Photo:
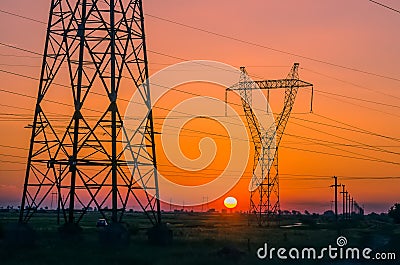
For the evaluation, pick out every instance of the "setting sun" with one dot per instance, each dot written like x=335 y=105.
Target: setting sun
x=230 y=202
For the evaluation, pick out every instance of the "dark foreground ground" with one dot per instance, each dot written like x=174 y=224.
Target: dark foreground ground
x=199 y=238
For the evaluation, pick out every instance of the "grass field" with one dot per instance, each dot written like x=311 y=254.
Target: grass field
x=199 y=238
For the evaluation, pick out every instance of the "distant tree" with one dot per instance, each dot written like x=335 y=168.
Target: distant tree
x=394 y=212
x=295 y=212
x=329 y=213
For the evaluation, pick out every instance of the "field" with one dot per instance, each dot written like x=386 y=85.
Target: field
x=199 y=238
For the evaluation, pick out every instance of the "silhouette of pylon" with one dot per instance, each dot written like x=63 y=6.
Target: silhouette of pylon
x=94 y=58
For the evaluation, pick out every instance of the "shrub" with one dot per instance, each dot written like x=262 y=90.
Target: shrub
x=394 y=212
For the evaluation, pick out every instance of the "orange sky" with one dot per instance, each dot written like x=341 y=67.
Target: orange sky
x=355 y=34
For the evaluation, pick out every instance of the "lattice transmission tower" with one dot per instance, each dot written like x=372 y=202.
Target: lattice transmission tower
x=94 y=59
x=264 y=186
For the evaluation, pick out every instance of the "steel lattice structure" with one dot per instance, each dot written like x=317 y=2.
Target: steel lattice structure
x=264 y=195
x=94 y=56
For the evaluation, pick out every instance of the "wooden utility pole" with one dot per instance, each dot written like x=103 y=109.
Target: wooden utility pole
x=352 y=206
x=347 y=204
x=344 y=201
x=336 y=185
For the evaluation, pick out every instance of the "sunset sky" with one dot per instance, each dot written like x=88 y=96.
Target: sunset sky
x=349 y=50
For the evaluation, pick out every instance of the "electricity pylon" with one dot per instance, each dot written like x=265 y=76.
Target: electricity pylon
x=94 y=55
x=264 y=186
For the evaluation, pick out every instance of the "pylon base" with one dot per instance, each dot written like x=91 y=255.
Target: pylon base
x=160 y=235
x=115 y=235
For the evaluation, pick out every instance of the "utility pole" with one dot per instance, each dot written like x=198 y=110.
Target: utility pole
x=336 y=185
x=343 y=201
x=51 y=203
x=347 y=204
x=352 y=206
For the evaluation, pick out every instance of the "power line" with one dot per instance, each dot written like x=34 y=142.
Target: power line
x=273 y=49
x=20 y=49
x=19 y=65
x=23 y=17
x=15 y=156
x=358 y=105
x=330 y=134
x=313 y=129
x=363 y=145
x=369 y=158
x=218 y=135
x=20 y=75
x=286 y=176
x=357 y=99
x=190 y=93
x=35 y=78
x=20 y=56
x=9 y=161
x=351 y=128
x=13 y=147
x=333 y=144
x=183 y=59
x=293 y=175
x=372 y=148
x=385 y=6
x=187 y=92
x=350 y=83
x=194 y=94
x=339 y=155
x=358 y=128
x=247 y=42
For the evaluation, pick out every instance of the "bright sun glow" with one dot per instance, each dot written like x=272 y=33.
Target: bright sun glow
x=230 y=202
